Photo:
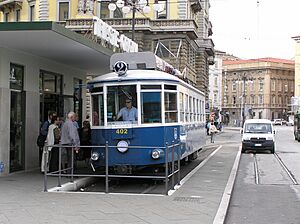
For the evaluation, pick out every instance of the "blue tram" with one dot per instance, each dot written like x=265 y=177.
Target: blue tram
x=164 y=109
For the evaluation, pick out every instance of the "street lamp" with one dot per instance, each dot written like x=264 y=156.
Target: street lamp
x=243 y=103
x=134 y=5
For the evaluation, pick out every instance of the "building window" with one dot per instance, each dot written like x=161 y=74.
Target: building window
x=279 y=85
x=105 y=13
x=63 y=10
x=279 y=100
x=6 y=17
x=273 y=100
x=162 y=12
x=32 y=13
x=261 y=99
x=18 y=15
x=225 y=99
x=286 y=88
x=234 y=86
x=273 y=85
x=234 y=100
x=261 y=85
x=216 y=81
x=253 y=99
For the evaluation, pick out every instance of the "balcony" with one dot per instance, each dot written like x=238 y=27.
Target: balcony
x=141 y=24
x=10 y=4
x=208 y=45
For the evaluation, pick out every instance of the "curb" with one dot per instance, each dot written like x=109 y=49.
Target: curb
x=224 y=204
x=76 y=185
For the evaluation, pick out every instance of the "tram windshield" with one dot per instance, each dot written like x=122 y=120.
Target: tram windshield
x=122 y=104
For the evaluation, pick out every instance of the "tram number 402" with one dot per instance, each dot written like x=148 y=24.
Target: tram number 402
x=122 y=131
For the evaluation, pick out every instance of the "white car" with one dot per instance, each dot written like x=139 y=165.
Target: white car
x=258 y=135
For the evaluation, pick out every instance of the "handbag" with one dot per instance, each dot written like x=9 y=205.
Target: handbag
x=41 y=140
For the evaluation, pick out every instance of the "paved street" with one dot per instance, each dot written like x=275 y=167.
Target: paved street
x=274 y=199
x=196 y=201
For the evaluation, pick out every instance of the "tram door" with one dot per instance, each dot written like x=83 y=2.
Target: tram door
x=17 y=118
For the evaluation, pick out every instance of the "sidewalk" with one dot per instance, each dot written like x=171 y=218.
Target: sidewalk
x=196 y=201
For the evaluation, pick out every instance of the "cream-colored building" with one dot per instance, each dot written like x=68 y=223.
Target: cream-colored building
x=262 y=88
x=297 y=66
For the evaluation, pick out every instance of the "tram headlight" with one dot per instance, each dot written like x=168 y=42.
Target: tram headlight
x=122 y=146
x=95 y=156
x=156 y=153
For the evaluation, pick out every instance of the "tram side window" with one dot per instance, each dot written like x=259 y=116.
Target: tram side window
x=151 y=107
x=181 y=103
x=170 y=107
x=98 y=110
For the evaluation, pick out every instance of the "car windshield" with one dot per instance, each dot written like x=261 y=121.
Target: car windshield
x=258 y=128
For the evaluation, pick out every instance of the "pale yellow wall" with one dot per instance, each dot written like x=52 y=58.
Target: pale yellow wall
x=297 y=69
x=24 y=12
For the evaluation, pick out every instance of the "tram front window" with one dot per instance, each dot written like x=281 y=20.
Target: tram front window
x=151 y=107
x=98 y=110
x=121 y=104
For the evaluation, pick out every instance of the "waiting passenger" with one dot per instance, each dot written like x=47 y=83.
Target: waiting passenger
x=128 y=113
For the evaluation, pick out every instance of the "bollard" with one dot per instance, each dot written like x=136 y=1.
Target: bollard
x=72 y=165
x=45 y=151
x=178 y=157
x=106 y=167
x=166 y=169
x=173 y=167
x=59 y=167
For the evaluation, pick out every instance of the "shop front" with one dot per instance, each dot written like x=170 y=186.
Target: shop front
x=43 y=67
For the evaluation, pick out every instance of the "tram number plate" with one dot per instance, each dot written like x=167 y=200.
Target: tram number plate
x=122 y=131
x=257 y=145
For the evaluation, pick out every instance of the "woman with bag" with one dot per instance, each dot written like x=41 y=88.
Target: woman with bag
x=53 y=138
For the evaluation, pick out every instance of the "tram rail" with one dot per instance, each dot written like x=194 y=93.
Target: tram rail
x=169 y=172
x=282 y=165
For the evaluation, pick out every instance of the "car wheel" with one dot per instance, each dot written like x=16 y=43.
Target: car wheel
x=273 y=150
x=243 y=150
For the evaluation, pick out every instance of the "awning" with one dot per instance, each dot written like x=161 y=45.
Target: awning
x=54 y=42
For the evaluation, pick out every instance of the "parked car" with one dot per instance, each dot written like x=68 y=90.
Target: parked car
x=279 y=121
x=289 y=123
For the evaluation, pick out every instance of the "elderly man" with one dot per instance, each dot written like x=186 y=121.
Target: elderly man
x=128 y=113
x=69 y=136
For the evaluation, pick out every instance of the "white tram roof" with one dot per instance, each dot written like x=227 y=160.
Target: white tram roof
x=141 y=75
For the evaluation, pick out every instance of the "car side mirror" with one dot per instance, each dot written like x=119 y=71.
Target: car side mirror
x=241 y=131
x=274 y=132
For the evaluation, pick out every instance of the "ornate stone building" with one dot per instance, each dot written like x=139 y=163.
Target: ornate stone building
x=262 y=88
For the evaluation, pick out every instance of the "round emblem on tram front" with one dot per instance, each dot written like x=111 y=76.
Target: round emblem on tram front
x=120 y=67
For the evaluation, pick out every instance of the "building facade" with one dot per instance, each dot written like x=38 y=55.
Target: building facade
x=297 y=66
x=257 y=88
x=215 y=84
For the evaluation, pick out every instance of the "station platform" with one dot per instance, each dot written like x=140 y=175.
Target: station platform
x=202 y=197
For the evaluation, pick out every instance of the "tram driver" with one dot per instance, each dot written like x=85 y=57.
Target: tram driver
x=129 y=112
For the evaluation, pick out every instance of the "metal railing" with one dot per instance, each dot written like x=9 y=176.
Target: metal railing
x=169 y=173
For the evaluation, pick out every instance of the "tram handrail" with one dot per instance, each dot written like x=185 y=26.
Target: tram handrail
x=165 y=177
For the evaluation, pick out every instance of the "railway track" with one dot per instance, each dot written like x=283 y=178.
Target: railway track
x=268 y=170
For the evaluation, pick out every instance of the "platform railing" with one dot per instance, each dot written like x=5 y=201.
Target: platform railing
x=169 y=174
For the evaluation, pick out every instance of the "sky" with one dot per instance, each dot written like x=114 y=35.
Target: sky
x=255 y=28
